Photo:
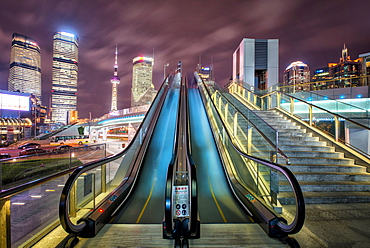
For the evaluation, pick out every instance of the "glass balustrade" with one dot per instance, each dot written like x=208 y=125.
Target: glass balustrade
x=266 y=184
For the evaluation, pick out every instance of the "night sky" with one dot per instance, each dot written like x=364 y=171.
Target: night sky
x=311 y=31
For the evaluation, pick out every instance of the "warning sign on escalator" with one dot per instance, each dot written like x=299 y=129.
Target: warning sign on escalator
x=181 y=201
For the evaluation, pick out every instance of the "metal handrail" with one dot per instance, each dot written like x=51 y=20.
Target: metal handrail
x=298 y=221
x=340 y=116
x=261 y=133
x=312 y=105
x=63 y=207
x=327 y=111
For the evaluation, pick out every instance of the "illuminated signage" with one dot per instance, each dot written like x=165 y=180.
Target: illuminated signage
x=14 y=102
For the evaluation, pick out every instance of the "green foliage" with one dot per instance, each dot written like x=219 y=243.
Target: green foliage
x=21 y=171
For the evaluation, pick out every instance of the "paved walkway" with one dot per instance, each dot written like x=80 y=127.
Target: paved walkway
x=336 y=225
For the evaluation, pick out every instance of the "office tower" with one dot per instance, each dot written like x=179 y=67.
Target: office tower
x=115 y=80
x=25 y=66
x=142 y=90
x=297 y=74
x=256 y=62
x=64 y=81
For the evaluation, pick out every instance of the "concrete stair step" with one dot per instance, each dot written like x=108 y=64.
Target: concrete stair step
x=290 y=138
x=286 y=148
x=287 y=198
x=326 y=168
x=303 y=155
x=316 y=154
x=330 y=186
x=330 y=176
x=321 y=161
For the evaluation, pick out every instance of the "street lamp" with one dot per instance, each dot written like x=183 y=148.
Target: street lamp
x=164 y=70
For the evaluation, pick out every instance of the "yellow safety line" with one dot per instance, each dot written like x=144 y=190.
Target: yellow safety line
x=146 y=203
x=215 y=200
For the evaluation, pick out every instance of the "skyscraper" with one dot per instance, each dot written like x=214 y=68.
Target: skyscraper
x=64 y=81
x=142 y=90
x=115 y=80
x=298 y=75
x=256 y=62
x=25 y=66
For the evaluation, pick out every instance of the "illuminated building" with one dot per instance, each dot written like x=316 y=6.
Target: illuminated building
x=206 y=73
x=365 y=59
x=346 y=67
x=256 y=62
x=25 y=66
x=346 y=73
x=142 y=90
x=115 y=80
x=16 y=116
x=297 y=74
x=64 y=80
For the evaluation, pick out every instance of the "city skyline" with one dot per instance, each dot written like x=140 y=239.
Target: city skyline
x=190 y=31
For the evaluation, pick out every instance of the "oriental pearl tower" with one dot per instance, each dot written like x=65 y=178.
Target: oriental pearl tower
x=115 y=80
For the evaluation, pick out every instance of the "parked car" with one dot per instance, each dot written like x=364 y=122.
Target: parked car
x=30 y=151
x=62 y=148
x=29 y=145
x=4 y=155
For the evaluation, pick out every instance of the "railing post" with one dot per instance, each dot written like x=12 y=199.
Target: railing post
x=291 y=106
x=336 y=122
x=310 y=115
x=104 y=178
x=73 y=201
x=235 y=128
x=1 y=177
x=249 y=141
x=5 y=240
x=226 y=112
x=278 y=99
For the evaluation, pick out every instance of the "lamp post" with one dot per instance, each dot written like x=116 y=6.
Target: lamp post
x=164 y=70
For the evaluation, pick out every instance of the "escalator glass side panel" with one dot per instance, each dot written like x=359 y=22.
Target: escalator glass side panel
x=216 y=202
x=145 y=204
x=264 y=186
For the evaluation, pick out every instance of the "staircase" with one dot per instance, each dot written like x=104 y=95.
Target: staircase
x=325 y=175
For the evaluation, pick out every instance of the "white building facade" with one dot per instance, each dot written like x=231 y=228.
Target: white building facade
x=256 y=63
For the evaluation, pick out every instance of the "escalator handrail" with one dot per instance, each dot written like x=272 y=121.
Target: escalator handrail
x=63 y=204
x=193 y=174
x=298 y=221
x=168 y=211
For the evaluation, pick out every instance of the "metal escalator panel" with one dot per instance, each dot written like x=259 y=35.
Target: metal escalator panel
x=181 y=218
x=95 y=191
x=268 y=191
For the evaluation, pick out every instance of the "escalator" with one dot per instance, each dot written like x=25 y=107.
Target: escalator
x=243 y=188
x=143 y=205
x=216 y=201
x=135 y=193
x=227 y=185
